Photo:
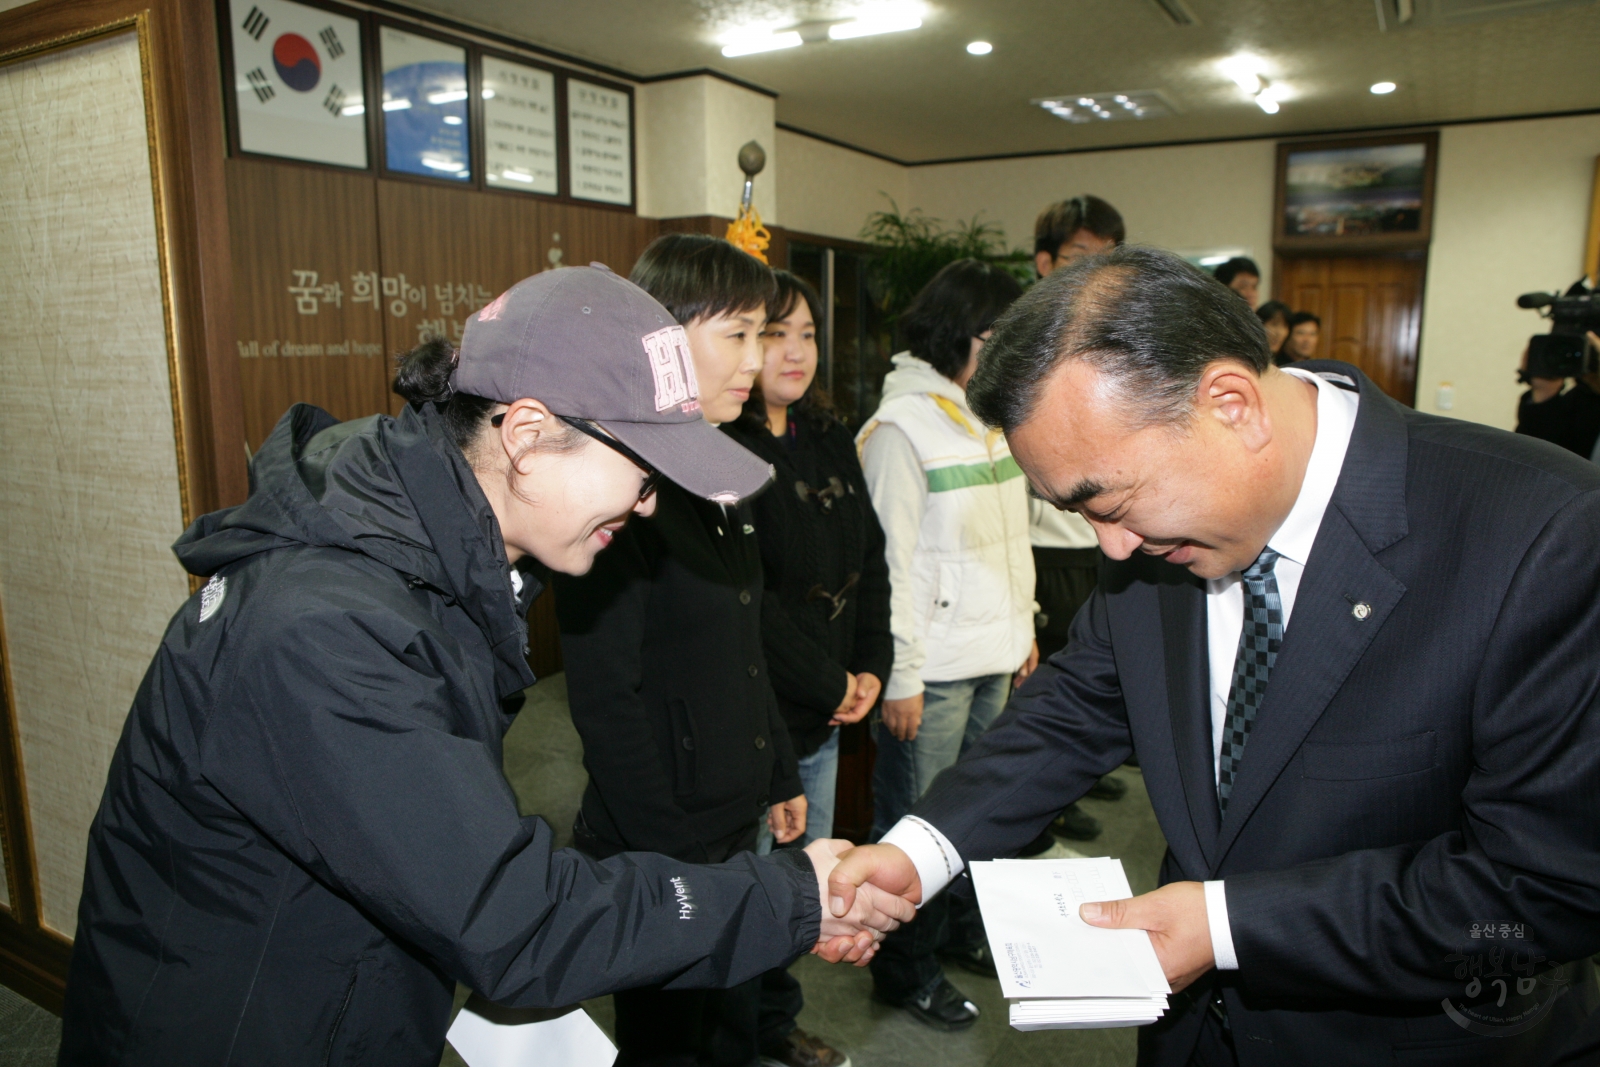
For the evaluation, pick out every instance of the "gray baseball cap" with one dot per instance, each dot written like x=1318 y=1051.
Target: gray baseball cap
x=594 y=346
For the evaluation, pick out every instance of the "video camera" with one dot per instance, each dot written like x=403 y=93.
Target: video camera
x=1560 y=353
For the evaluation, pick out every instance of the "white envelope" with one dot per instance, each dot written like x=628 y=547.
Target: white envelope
x=528 y=1039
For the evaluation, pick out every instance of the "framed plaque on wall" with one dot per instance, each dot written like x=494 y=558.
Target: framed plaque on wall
x=297 y=79
x=519 y=126
x=425 y=130
x=599 y=142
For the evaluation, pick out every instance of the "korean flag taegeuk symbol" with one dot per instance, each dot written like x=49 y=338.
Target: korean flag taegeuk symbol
x=297 y=73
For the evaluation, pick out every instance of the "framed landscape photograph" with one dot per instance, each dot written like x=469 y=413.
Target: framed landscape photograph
x=1364 y=194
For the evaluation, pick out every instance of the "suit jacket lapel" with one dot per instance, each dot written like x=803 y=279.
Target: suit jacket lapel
x=1183 y=630
x=1328 y=633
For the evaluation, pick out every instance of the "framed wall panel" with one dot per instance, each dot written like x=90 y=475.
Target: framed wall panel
x=521 y=125
x=125 y=421
x=600 y=149
x=296 y=80
x=424 y=105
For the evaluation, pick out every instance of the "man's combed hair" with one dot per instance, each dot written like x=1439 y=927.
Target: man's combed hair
x=695 y=276
x=1144 y=318
x=1057 y=223
x=1236 y=266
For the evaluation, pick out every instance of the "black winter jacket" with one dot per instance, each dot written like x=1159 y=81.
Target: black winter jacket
x=662 y=644
x=811 y=544
x=306 y=836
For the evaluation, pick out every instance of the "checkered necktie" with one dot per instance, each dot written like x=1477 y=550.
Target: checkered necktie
x=1259 y=642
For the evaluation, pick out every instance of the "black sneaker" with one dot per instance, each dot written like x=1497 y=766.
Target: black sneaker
x=1108 y=788
x=942 y=1006
x=1077 y=824
x=975 y=958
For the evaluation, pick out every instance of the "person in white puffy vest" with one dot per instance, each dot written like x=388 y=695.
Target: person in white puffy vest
x=954 y=510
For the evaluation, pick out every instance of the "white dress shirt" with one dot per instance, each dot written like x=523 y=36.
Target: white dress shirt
x=933 y=855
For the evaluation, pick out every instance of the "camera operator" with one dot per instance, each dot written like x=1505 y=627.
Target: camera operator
x=1567 y=417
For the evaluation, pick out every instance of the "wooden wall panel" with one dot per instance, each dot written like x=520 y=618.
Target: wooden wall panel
x=305 y=252
x=1371 y=311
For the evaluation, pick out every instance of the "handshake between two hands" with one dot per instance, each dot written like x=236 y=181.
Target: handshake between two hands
x=869 y=890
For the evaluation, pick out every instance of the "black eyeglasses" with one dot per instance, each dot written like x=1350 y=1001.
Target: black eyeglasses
x=652 y=477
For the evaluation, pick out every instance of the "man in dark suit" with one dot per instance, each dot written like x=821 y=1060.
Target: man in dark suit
x=1357 y=650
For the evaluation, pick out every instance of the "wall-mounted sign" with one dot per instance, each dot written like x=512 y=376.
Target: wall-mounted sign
x=424 y=105
x=599 y=146
x=297 y=82
x=519 y=127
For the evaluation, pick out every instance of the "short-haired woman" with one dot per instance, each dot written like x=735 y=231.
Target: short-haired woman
x=954 y=510
x=682 y=736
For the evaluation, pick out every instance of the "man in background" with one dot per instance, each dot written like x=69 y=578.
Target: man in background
x=1242 y=276
x=1066 y=555
x=1071 y=229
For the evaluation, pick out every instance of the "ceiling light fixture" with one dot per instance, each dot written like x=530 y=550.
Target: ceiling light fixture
x=488 y=94
x=396 y=105
x=979 y=48
x=1107 y=107
x=1248 y=73
x=887 y=17
x=1382 y=88
x=1245 y=70
x=749 y=44
x=449 y=96
x=353 y=109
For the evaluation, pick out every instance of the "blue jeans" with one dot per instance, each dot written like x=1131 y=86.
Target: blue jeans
x=819 y=777
x=954 y=715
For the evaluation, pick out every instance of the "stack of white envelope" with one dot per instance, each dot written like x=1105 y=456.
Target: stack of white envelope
x=1058 y=971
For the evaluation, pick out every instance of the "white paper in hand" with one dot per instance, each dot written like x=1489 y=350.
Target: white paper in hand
x=1061 y=971
x=506 y=1040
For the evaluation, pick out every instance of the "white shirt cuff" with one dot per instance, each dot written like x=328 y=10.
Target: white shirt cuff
x=931 y=853
x=1221 y=932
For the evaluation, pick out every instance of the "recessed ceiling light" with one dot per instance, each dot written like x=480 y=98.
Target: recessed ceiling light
x=979 y=48
x=1382 y=88
x=452 y=120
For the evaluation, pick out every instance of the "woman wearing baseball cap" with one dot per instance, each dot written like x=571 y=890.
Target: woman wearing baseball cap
x=306 y=837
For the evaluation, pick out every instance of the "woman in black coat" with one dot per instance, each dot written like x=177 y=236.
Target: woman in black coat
x=306 y=838
x=682 y=738
x=825 y=615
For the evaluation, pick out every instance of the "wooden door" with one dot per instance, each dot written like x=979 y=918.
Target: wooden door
x=1371 y=311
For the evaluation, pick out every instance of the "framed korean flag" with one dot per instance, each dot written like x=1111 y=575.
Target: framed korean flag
x=298 y=85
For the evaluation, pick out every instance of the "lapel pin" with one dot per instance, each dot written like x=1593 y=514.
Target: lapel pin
x=1361 y=610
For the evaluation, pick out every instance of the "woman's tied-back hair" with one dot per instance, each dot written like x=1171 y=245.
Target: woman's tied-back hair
x=699 y=277
x=1144 y=318
x=962 y=301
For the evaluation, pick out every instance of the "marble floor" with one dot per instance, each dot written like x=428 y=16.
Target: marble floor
x=543 y=761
